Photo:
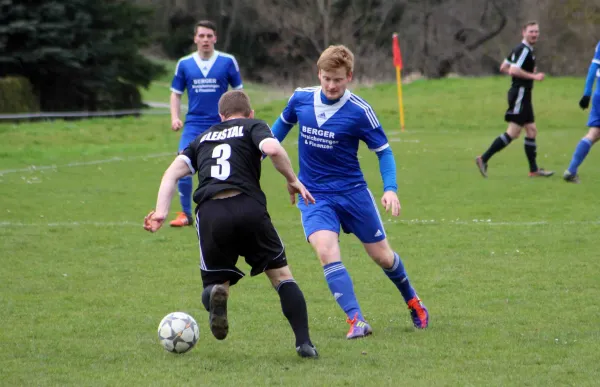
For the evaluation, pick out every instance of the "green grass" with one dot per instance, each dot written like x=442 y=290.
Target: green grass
x=508 y=265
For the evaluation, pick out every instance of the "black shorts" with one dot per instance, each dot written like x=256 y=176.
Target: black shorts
x=233 y=227
x=520 y=108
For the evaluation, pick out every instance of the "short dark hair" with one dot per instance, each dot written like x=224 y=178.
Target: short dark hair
x=530 y=23
x=235 y=102
x=206 y=24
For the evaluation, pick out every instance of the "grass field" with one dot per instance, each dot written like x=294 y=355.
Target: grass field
x=508 y=266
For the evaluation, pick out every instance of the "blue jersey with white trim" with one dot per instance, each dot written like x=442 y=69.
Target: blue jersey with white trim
x=329 y=135
x=596 y=60
x=205 y=81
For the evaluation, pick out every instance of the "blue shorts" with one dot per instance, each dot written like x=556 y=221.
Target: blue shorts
x=356 y=212
x=594 y=120
x=189 y=134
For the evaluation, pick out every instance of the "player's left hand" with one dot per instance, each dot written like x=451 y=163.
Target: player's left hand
x=584 y=102
x=153 y=221
x=390 y=200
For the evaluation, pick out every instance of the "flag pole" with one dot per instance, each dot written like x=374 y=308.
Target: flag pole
x=398 y=65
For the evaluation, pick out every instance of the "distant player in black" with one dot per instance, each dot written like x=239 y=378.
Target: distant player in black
x=520 y=64
x=231 y=212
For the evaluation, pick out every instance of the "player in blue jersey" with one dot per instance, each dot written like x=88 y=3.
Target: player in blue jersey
x=593 y=134
x=206 y=75
x=331 y=123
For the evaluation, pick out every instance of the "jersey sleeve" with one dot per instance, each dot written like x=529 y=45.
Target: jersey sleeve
x=597 y=54
x=178 y=83
x=371 y=132
x=260 y=132
x=518 y=56
x=289 y=112
x=233 y=74
x=190 y=156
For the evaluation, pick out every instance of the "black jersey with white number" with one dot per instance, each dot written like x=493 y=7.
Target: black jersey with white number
x=228 y=156
x=523 y=57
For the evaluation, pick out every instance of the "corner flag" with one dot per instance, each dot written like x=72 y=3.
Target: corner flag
x=398 y=64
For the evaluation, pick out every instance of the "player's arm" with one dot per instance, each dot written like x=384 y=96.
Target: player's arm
x=281 y=128
x=516 y=69
x=175 y=105
x=520 y=73
x=234 y=76
x=373 y=135
x=589 y=81
x=505 y=67
x=180 y=167
x=177 y=88
x=286 y=120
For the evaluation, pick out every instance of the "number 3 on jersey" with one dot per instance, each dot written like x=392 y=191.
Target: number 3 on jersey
x=222 y=170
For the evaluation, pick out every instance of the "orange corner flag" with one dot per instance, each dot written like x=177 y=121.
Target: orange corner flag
x=396 y=51
x=398 y=65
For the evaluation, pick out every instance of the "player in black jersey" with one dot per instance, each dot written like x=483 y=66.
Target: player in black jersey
x=520 y=64
x=231 y=212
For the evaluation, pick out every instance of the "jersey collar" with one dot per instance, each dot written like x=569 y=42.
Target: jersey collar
x=527 y=45
x=205 y=65
x=323 y=111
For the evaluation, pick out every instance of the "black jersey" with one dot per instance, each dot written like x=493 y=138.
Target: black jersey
x=228 y=156
x=523 y=57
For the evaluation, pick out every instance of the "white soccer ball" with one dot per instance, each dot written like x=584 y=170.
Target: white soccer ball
x=178 y=332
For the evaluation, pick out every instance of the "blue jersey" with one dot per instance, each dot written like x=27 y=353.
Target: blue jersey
x=206 y=81
x=596 y=60
x=329 y=135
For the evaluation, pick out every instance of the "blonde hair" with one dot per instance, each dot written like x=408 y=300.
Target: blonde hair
x=235 y=102
x=335 y=57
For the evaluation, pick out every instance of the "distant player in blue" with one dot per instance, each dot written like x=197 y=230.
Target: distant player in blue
x=593 y=134
x=331 y=123
x=206 y=75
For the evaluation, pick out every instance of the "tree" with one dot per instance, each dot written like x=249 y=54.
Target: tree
x=78 y=54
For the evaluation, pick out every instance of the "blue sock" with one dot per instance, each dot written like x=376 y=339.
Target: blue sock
x=398 y=276
x=185 y=186
x=340 y=285
x=581 y=152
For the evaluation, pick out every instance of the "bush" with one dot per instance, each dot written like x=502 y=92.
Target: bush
x=17 y=96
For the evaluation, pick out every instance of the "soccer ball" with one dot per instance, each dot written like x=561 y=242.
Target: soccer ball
x=178 y=332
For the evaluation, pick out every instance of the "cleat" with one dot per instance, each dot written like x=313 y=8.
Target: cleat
x=419 y=313
x=358 y=328
x=218 y=312
x=481 y=165
x=541 y=173
x=307 y=350
x=570 y=177
x=182 y=220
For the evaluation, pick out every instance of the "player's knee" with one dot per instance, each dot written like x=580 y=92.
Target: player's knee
x=327 y=251
x=593 y=134
x=328 y=254
x=531 y=131
x=276 y=276
x=381 y=253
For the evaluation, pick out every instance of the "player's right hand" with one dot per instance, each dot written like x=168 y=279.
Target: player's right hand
x=539 y=76
x=297 y=187
x=176 y=124
x=153 y=221
x=584 y=102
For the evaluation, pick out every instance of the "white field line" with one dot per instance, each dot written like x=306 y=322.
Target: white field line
x=474 y=222
x=34 y=168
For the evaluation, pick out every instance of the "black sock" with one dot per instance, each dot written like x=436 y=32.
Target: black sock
x=293 y=305
x=206 y=297
x=531 y=153
x=499 y=143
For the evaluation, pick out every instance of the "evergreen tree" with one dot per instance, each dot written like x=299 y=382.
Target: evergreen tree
x=78 y=54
